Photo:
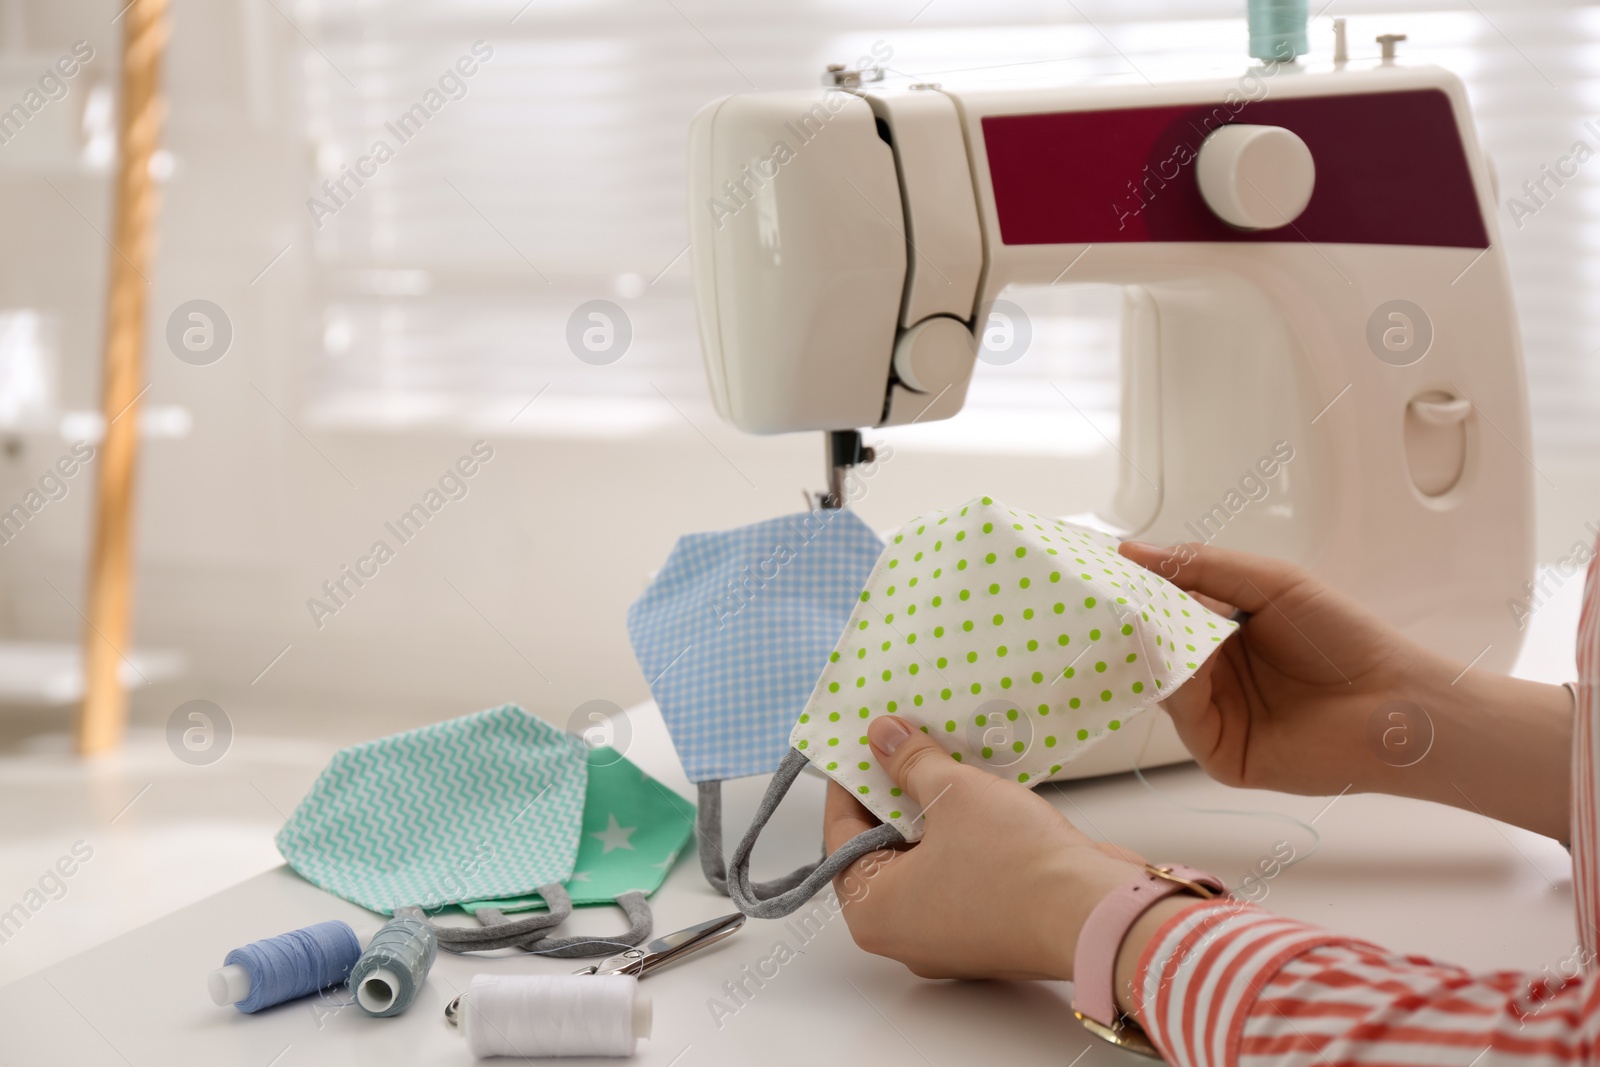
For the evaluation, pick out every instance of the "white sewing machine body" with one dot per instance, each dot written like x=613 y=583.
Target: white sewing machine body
x=847 y=246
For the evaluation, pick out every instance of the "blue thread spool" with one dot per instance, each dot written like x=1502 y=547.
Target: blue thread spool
x=390 y=973
x=268 y=972
x=1278 y=30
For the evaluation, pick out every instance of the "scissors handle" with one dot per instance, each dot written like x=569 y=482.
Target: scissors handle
x=629 y=962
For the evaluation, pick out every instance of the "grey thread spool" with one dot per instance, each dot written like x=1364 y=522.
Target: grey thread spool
x=389 y=974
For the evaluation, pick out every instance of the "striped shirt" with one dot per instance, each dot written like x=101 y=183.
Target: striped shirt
x=1224 y=983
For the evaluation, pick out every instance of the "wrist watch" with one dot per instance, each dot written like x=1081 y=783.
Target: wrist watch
x=1094 y=999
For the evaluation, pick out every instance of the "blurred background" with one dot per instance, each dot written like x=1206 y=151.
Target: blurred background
x=375 y=338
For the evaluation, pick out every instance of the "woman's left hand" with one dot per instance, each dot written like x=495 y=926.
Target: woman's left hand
x=999 y=885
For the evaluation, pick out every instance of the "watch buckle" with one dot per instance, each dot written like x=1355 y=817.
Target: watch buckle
x=1123 y=1033
x=1204 y=892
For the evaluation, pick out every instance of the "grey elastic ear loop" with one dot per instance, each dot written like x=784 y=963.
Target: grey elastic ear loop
x=531 y=934
x=708 y=828
x=747 y=897
x=639 y=926
x=504 y=935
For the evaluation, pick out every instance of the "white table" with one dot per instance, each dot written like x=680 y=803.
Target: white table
x=1409 y=875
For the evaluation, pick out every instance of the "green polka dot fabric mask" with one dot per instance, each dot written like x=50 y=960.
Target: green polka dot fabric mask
x=1015 y=641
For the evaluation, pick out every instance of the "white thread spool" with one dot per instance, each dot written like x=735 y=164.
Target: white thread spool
x=530 y=1015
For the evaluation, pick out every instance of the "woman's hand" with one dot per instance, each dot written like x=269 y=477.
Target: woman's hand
x=999 y=885
x=1295 y=701
x=1284 y=703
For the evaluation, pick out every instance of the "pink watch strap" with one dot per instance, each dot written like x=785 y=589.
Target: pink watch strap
x=1094 y=964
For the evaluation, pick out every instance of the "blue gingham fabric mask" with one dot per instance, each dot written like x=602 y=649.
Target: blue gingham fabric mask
x=732 y=634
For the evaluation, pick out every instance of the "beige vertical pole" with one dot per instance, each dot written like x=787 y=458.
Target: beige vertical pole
x=103 y=716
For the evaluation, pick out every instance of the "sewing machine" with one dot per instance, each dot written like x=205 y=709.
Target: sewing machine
x=1313 y=274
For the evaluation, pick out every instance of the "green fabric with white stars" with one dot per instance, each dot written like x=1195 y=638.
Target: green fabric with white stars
x=633 y=830
x=1014 y=641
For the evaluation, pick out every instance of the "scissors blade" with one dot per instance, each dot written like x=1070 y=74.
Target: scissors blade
x=663 y=950
x=668 y=947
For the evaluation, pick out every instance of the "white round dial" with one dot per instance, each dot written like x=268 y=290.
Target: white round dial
x=1256 y=177
x=934 y=354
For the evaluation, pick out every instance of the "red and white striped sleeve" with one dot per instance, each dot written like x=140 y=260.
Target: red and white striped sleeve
x=1225 y=984
x=1585 y=842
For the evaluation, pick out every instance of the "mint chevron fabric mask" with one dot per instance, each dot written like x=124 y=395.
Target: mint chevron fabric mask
x=1013 y=640
x=488 y=805
x=731 y=635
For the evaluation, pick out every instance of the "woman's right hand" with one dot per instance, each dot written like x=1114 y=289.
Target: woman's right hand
x=1296 y=701
x=1284 y=704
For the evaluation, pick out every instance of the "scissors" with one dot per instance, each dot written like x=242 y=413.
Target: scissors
x=649 y=958
x=667 y=949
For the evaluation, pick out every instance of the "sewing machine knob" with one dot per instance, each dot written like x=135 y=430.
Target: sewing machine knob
x=1256 y=177
x=934 y=354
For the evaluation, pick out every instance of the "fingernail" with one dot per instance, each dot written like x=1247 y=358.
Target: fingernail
x=888 y=733
x=1142 y=546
